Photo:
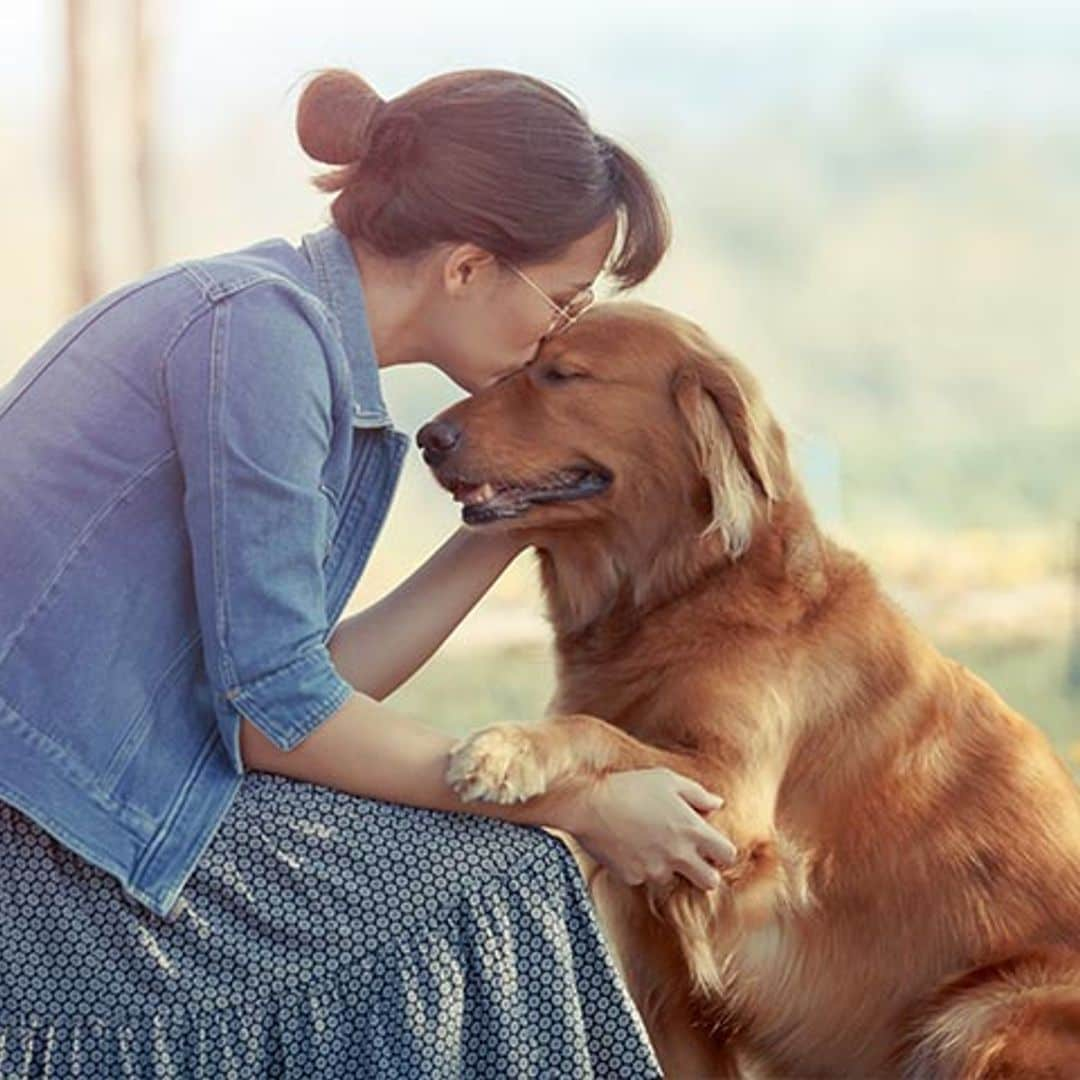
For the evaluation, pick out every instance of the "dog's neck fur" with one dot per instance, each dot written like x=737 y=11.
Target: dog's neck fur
x=599 y=586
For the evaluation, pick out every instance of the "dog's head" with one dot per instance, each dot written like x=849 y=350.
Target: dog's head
x=631 y=424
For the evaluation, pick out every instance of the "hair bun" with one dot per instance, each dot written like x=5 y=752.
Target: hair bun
x=395 y=143
x=334 y=116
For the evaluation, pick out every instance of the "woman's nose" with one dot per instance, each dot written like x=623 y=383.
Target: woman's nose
x=437 y=439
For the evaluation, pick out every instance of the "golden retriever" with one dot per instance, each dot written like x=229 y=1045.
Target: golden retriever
x=906 y=899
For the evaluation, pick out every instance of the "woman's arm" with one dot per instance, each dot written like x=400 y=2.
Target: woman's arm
x=645 y=825
x=367 y=748
x=381 y=647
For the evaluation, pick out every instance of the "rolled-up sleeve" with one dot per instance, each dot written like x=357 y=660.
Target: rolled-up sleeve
x=249 y=399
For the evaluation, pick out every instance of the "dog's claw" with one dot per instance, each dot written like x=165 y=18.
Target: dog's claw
x=496 y=765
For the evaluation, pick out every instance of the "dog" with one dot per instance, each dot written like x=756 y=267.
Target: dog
x=906 y=896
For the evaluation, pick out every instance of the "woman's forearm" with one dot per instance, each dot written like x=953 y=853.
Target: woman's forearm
x=367 y=748
x=379 y=648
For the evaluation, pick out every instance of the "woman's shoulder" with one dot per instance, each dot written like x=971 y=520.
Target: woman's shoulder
x=270 y=288
x=274 y=261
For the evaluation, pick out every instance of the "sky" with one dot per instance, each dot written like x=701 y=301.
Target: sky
x=682 y=61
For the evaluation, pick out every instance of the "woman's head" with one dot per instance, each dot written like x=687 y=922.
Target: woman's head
x=494 y=189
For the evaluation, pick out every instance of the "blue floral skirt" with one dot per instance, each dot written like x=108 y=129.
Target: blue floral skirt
x=321 y=935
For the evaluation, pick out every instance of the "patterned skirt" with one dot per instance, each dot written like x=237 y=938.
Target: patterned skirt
x=320 y=936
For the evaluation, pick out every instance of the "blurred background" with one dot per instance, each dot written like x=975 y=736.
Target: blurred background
x=875 y=206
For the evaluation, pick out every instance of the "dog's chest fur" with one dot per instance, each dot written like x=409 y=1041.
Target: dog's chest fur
x=782 y=970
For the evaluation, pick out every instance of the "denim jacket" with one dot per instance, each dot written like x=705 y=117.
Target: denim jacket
x=193 y=471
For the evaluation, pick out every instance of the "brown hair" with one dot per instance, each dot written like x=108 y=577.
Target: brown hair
x=490 y=157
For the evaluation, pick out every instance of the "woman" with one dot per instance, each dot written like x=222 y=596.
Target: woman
x=219 y=854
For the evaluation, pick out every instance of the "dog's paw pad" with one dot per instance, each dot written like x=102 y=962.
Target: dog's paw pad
x=496 y=765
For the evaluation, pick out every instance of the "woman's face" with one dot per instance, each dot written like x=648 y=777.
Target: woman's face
x=491 y=321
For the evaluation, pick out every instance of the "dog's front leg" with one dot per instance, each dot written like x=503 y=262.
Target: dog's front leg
x=509 y=763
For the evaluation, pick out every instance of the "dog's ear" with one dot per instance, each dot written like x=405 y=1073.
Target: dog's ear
x=733 y=437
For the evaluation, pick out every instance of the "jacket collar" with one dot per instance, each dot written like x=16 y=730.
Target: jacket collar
x=338 y=279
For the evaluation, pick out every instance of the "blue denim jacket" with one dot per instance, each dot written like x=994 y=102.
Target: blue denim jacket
x=193 y=471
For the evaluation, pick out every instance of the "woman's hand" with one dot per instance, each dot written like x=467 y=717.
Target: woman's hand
x=647 y=824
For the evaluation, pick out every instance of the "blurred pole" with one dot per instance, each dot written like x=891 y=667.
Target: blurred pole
x=1073 y=678
x=78 y=162
x=142 y=116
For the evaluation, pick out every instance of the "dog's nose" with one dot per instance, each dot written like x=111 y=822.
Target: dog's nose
x=437 y=439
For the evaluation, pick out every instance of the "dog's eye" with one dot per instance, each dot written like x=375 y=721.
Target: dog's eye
x=556 y=376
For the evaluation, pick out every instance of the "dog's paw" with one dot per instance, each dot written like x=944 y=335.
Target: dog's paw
x=498 y=764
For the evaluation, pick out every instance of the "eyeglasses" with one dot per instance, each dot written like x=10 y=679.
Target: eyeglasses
x=563 y=315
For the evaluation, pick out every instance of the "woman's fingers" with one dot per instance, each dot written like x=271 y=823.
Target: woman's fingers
x=717 y=848
x=714 y=846
x=698 y=872
x=698 y=797
x=650 y=824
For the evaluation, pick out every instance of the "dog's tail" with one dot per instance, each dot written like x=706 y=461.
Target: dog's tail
x=1016 y=1018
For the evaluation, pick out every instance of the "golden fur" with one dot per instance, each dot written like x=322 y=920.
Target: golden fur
x=906 y=899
